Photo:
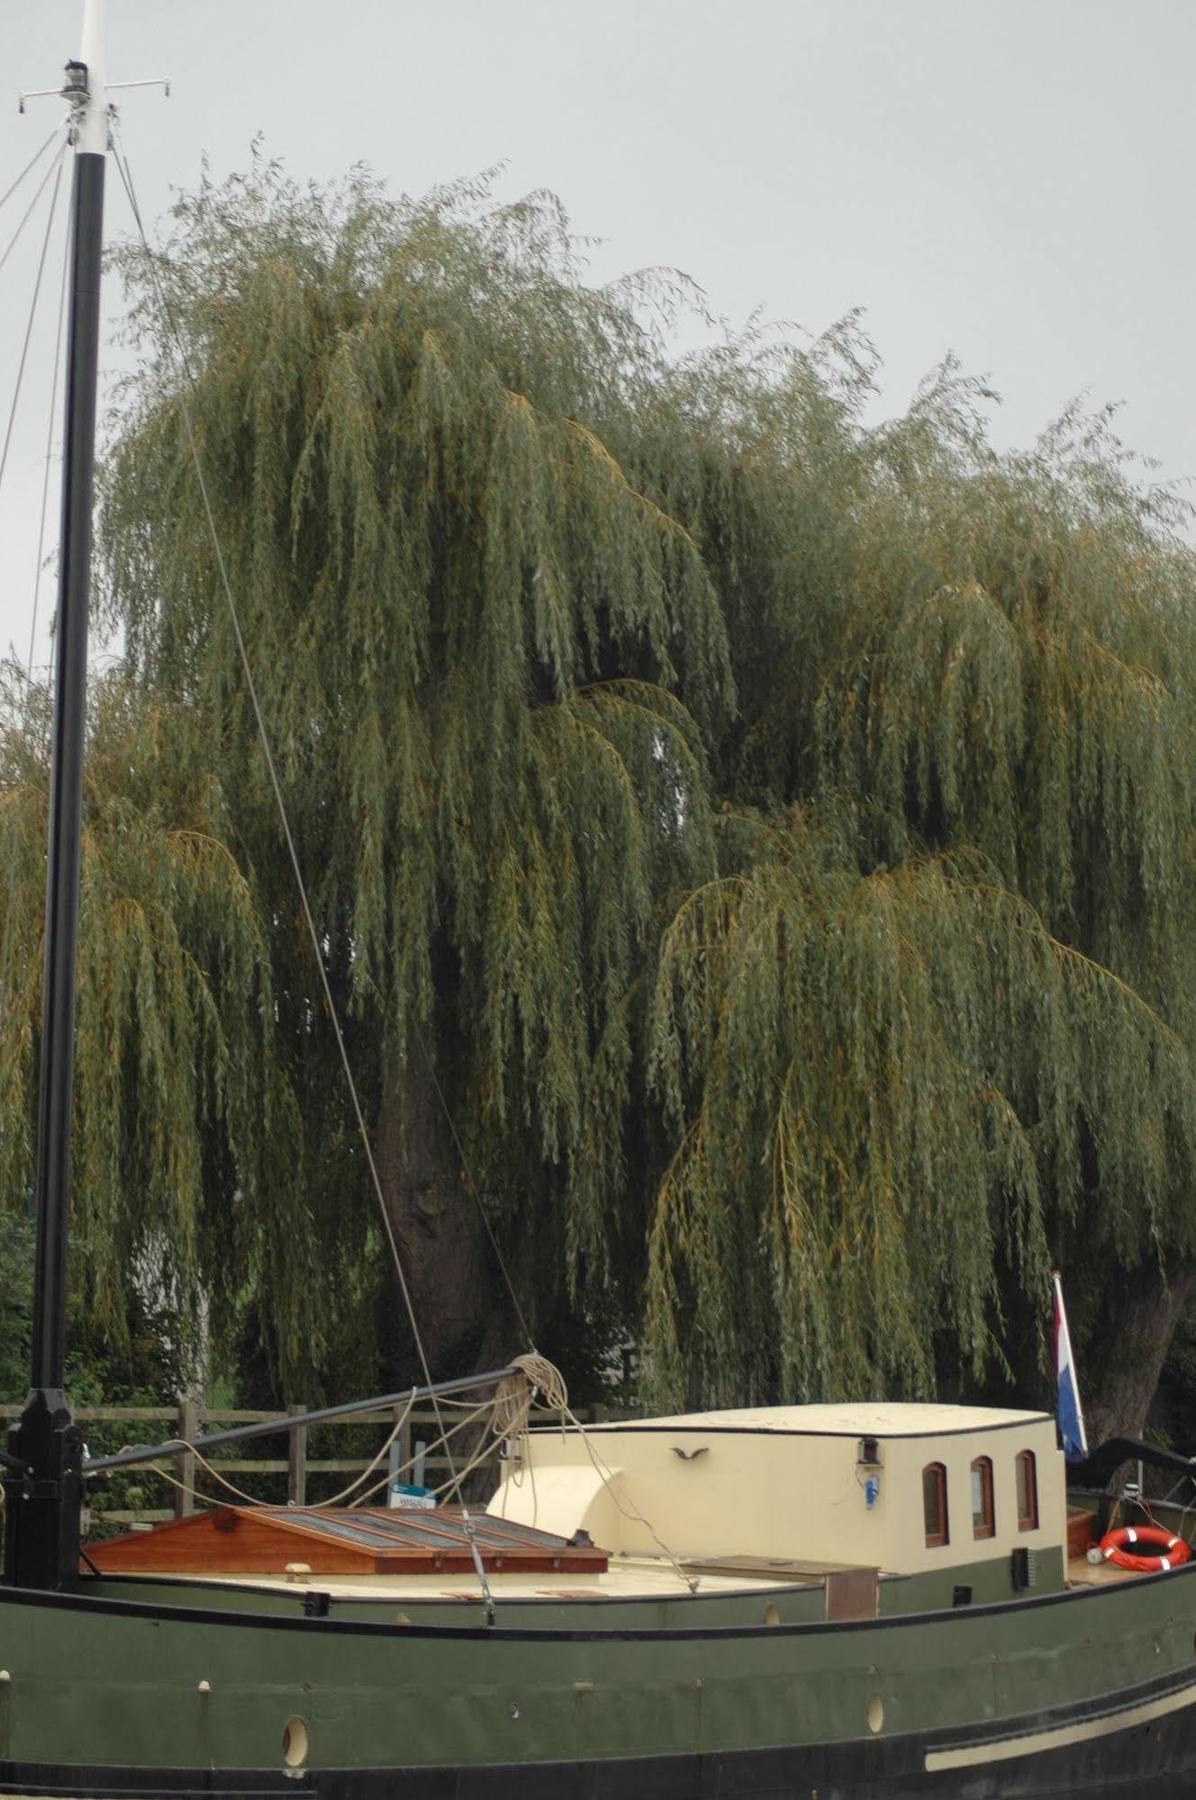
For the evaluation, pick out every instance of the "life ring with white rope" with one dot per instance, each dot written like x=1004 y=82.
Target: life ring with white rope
x=1116 y=1547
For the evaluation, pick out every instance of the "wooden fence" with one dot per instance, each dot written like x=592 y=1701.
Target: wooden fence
x=184 y=1418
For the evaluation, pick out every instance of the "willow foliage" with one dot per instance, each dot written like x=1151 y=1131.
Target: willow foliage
x=183 y=1135
x=886 y=1078
x=484 y=654
x=775 y=832
x=912 y=1050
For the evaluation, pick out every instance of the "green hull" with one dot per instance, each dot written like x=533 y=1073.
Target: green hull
x=146 y=1684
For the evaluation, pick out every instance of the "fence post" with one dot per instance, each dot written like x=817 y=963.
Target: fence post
x=297 y=1461
x=188 y=1429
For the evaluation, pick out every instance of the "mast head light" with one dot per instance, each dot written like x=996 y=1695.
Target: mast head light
x=76 y=91
x=76 y=87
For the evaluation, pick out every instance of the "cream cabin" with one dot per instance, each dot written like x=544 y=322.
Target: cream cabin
x=905 y=1489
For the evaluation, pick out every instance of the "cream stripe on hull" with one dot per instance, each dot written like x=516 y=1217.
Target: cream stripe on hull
x=1034 y=1743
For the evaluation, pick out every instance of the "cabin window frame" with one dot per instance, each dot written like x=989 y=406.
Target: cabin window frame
x=1026 y=1476
x=984 y=1526
x=938 y=1533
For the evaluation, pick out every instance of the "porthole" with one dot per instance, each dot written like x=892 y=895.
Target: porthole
x=876 y=1712
x=294 y=1742
x=771 y=1615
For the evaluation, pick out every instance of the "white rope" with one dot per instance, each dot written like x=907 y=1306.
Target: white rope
x=391 y=1435
x=430 y=1450
x=541 y=1377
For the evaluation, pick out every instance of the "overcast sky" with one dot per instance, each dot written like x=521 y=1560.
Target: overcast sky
x=1008 y=179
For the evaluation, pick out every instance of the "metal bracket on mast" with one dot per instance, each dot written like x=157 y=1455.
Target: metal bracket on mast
x=114 y=87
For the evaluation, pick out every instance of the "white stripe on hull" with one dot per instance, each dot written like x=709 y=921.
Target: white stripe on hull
x=1033 y=1743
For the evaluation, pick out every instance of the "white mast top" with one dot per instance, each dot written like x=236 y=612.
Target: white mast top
x=92 y=116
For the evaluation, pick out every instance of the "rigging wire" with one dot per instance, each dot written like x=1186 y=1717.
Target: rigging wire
x=6 y=939
x=32 y=163
x=121 y=159
x=56 y=171
x=475 y=1195
x=49 y=457
x=41 y=188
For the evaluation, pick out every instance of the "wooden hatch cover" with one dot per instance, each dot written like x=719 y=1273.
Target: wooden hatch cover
x=331 y=1540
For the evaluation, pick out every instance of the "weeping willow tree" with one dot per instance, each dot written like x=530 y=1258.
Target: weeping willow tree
x=751 y=851
x=893 y=1082
x=486 y=658
x=913 y=1054
x=187 y=1193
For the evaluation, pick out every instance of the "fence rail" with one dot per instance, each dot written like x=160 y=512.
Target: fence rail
x=186 y=1418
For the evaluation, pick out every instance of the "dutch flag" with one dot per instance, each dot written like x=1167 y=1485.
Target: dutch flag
x=1070 y=1416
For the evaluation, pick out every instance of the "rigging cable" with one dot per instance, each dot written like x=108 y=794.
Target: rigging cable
x=126 y=176
x=41 y=188
x=32 y=163
x=49 y=458
x=475 y=1195
x=10 y=899
x=56 y=171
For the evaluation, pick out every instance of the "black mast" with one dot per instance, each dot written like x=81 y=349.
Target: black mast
x=44 y=1484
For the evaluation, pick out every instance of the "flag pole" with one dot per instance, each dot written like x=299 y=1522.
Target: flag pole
x=1069 y=1413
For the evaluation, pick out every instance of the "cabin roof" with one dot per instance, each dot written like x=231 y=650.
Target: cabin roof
x=881 y=1419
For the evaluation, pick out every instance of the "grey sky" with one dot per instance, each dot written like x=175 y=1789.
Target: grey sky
x=1010 y=179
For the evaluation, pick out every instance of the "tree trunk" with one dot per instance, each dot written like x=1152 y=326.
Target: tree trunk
x=460 y=1307
x=1126 y=1355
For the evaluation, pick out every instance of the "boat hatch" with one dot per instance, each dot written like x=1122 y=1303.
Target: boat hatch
x=325 y=1540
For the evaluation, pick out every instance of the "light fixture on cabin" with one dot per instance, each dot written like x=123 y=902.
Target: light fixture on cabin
x=869 y=1465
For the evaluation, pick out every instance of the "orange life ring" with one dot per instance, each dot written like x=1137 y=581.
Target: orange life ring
x=1172 y=1550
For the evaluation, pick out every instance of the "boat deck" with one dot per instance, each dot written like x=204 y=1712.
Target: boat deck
x=1082 y=1573
x=625 y=1578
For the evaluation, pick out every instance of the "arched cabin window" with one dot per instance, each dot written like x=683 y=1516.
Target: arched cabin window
x=983 y=1524
x=934 y=1504
x=1027 y=1491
